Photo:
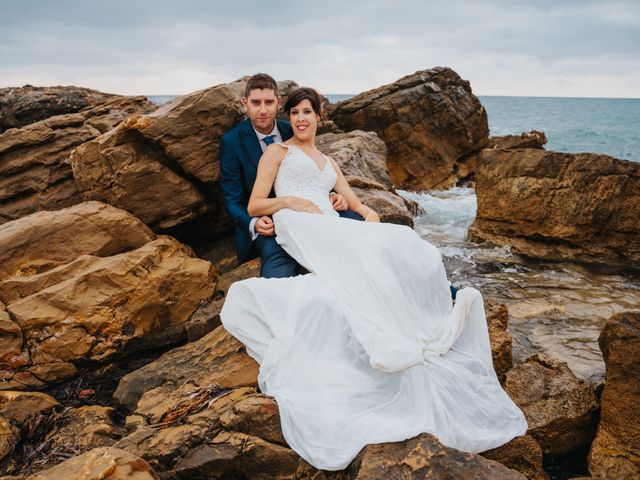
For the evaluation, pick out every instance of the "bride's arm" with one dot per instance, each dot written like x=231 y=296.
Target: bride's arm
x=342 y=187
x=259 y=203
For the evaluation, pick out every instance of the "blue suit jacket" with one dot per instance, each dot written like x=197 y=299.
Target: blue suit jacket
x=239 y=154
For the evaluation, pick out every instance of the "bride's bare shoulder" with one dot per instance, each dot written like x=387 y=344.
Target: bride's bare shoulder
x=274 y=153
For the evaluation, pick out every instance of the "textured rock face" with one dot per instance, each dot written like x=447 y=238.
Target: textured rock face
x=20 y=106
x=559 y=206
x=34 y=160
x=100 y=464
x=18 y=406
x=107 y=294
x=557 y=405
x=362 y=157
x=424 y=457
x=522 y=454
x=9 y=436
x=429 y=120
x=615 y=452
x=501 y=342
x=164 y=168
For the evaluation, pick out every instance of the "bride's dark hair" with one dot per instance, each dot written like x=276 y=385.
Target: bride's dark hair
x=304 y=93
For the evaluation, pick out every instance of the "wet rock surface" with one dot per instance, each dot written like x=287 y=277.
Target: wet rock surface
x=429 y=120
x=522 y=454
x=615 y=452
x=558 y=406
x=559 y=206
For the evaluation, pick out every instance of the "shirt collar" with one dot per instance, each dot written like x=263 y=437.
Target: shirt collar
x=273 y=132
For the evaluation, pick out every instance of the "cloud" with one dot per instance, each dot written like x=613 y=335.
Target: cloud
x=161 y=47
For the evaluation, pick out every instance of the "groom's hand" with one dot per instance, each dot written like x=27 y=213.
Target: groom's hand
x=264 y=226
x=338 y=202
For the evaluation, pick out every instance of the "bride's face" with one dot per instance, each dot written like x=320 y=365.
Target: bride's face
x=304 y=120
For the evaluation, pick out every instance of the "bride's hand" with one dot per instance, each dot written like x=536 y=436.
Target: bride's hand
x=302 y=205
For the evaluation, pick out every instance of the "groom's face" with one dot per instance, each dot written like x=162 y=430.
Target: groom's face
x=261 y=106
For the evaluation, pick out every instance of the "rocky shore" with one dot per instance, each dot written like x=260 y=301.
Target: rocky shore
x=115 y=257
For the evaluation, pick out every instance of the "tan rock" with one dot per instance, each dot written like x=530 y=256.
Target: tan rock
x=18 y=406
x=216 y=358
x=248 y=269
x=559 y=206
x=12 y=352
x=254 y=414
x=94 y=308
x=558 y=406
x=40 y=241
x=84 y=428
x=24 y=105
x=522 y=454
x=9 y=437
x=532 y=139
x=615 y=452
x=233 y=454
x=362 y=157
x=104 y=463
x=501 y=341
x=424 y=457
x=35 y=173
x=428 y=120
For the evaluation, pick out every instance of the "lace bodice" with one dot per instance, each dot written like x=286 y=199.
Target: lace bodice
x=300 y=176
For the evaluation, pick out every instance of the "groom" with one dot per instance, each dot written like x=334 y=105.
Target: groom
x=240 y=149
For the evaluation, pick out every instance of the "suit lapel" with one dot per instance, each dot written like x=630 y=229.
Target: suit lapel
x=250 y=143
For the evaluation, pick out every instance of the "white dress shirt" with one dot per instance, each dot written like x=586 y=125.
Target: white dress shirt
x=263 y=146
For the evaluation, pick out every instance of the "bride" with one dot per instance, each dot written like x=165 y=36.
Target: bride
x=367 y=347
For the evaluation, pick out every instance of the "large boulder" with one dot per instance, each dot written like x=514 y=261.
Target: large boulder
x=615 y=452
x=20 y=106
x=558 y=406
x=429 y=120
x=362 y=157
x=425 y=457
x=114 y=289
x=165 y=167
x=34 y=160
x=559 y=206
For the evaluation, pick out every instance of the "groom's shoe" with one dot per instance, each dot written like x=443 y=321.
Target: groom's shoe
x=454 y=291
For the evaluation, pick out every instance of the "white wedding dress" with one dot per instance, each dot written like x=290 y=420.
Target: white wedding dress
x=367 y=348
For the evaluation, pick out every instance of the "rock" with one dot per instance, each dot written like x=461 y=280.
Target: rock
x=615 y=452
x=429 y=120
x=9 y=437
x=559 y=206
x=20 y=106
x=175 y=149
x=532 y=139
x=254 y=414
x=121 y=290
x=501 y=342
x=558 y=406
x=235 y=455
x=362 y=157
x=391 y=207
x=248 y=269
x=19 y=406
x=86 y=427
x=424 y=457
x=205 y=319
x=40 y=242
x=522 y=454
x=34 y=160
x=12 y=352
x=216 y=358
x=100 y=464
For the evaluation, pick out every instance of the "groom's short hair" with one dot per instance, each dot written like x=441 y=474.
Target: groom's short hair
x=260 y=81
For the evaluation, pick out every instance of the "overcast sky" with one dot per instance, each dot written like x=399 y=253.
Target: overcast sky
x=155 y=47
